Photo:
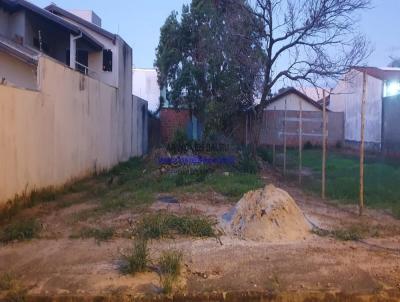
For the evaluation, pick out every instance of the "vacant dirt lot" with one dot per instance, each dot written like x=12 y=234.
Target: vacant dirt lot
x=63 y=263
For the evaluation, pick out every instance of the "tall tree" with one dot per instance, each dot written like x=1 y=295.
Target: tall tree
x=206 y=68
x=305 y=41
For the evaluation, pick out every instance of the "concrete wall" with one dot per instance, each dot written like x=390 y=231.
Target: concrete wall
x=292 y=103
x=391 y=126
x=73 y=126
x=16 y=72
x=274 y=129
x=145 y=86
x=347 y=96
x=142 y=124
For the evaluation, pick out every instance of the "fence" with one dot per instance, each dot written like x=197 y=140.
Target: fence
x=331 y=169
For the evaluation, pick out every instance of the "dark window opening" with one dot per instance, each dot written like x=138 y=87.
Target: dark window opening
x=107 y=60
x=44 y=47
x=82 y=60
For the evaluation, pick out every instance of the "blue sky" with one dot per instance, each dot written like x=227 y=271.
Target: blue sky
x=139 y=22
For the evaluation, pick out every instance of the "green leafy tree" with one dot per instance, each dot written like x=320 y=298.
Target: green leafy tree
x=204 y=67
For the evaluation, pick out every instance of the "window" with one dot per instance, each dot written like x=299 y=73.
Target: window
x=391 y=88
x=107 y=60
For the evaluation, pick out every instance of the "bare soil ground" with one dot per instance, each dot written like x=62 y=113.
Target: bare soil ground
x=55 y=264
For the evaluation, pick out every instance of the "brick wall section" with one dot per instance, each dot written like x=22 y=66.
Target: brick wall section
x=171 y=120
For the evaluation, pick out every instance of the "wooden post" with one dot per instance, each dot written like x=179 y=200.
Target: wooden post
x=284 y=139
x=247 y=130
x=300 y=139
x=362 y=145
x=323 y=145
x=275 y=136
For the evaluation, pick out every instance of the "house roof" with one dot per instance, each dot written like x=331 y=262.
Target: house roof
x=23 y=53
x=293 y=90
x=62 y=12
x=380 y=73
x=15 y=5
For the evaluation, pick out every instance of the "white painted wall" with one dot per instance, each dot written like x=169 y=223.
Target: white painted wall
x=292 y=104
x=73 y=126
x=347 y=96
x=145 y=86
x=96 y=59
x=16 y=72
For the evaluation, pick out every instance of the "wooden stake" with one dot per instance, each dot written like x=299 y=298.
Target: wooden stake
x=275 y=131
x=362 y=145
x=284 y=139
x=300 y=140
x=323 y=145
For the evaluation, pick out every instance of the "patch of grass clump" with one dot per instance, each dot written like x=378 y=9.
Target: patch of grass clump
x=192 y=176
x=170 y=263
x=352 y=233
x=125 y=172
x=138 y=259
x=235 y=184
x=27 y=200
x=11 y=289
x=161 y=225
x=7 y=282
x=21 y=230
x=167 y=284
x=99 y=234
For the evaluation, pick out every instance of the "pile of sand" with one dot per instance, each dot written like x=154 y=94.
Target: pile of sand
x=268 y=214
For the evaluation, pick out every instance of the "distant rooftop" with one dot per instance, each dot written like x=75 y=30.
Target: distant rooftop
x=384 y=74
x=87 y=15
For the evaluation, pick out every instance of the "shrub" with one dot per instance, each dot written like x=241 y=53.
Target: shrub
x=21 y=230
x=308 y=146
x=247 y=162
x=180 y=143
x=265 y=155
